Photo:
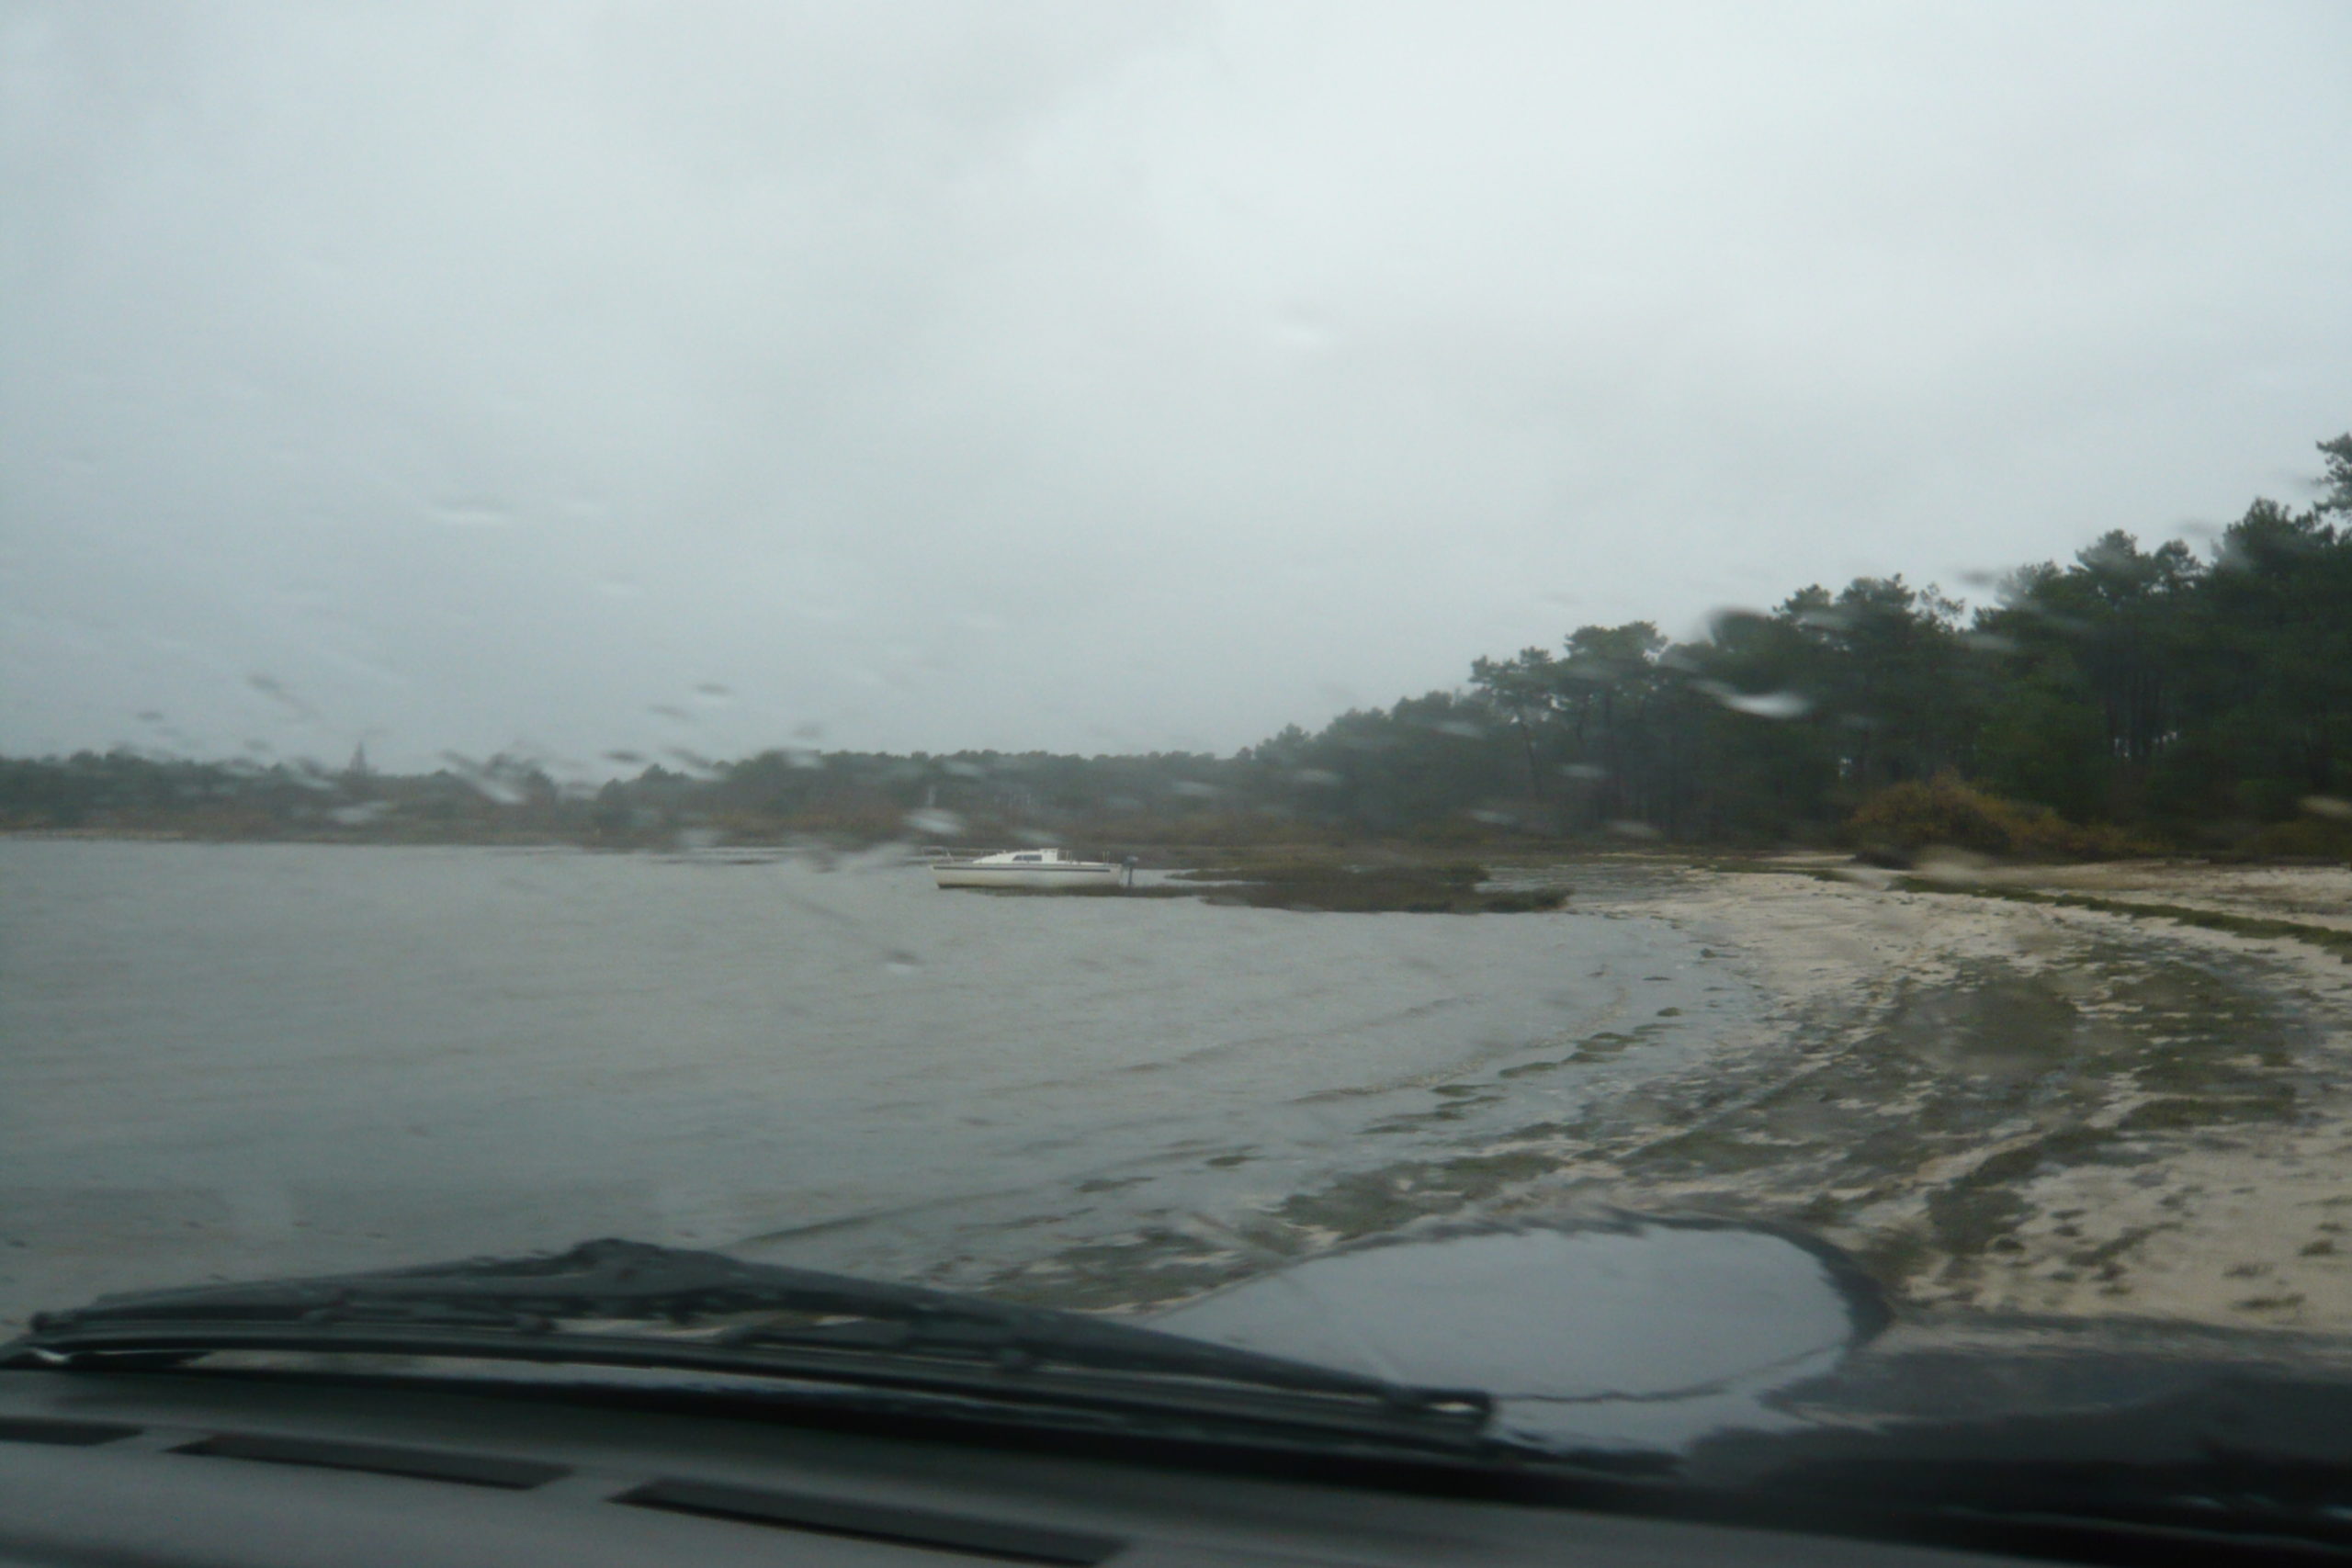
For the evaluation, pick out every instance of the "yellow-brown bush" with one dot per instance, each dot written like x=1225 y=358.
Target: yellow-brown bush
x=1946 y=811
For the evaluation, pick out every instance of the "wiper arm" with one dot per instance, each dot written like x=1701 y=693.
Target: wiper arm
x=622 y=1302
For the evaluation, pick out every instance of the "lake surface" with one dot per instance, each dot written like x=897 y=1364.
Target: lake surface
x=235 y=1060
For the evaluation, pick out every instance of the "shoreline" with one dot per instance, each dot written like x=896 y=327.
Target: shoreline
x=2080 y=1091
x=2002 y=1100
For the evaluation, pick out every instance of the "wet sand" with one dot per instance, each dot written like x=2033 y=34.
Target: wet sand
x=2021 y=1106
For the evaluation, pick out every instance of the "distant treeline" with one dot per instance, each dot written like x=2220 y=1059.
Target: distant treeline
x=2132 y=698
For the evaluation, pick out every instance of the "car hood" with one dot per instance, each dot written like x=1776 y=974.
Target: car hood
x=1713 y=1342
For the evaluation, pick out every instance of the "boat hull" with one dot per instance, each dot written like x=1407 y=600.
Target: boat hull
x=1064 y=875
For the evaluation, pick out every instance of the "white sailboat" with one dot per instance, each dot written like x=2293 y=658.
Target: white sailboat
x=1031 y=868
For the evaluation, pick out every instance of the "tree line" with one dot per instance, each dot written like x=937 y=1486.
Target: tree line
x=2131 y=698
x=2184 y=701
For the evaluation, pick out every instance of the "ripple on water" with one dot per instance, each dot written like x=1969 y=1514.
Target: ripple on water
x=869 y=1073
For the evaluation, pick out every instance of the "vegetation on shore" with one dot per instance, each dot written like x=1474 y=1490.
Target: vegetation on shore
x=2131 y=701
x=1945 y=812
x=1419 y=888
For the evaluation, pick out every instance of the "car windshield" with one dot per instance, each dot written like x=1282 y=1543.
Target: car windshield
x=1096 y=654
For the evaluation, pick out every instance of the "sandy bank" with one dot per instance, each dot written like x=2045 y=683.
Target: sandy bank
x=2023 y=1106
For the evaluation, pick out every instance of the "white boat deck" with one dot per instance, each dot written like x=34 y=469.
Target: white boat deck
x=1043 y=868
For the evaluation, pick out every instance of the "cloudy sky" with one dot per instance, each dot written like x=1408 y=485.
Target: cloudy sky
x=1095 y=377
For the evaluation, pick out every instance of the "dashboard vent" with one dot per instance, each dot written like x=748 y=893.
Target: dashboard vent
x=69 y=1434
x=422 y=1464
x=873 y=1521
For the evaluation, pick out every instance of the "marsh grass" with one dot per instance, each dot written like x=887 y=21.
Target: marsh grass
x=2261 y=926
x=1329 y=885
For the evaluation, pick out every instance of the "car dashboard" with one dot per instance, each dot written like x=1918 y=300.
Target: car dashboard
x=165 y=1467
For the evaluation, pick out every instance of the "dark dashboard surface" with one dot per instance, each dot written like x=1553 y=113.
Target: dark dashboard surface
x=167 y=1469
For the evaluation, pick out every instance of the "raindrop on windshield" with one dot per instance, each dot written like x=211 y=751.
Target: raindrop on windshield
x=1759 y=705
x=487 y=779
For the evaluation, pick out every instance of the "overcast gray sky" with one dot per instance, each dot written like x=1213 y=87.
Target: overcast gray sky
x=1095 y=377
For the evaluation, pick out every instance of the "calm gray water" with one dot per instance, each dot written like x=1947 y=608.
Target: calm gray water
x=230 y=1060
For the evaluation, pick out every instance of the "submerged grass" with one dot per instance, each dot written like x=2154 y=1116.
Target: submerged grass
x=1918 y=1129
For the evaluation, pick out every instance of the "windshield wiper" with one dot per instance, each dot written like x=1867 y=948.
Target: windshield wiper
x=626 y=1303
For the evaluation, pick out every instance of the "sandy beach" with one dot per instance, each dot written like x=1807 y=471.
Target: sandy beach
x=2023 y=1106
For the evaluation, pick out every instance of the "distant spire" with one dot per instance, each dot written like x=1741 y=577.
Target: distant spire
x=357 y=767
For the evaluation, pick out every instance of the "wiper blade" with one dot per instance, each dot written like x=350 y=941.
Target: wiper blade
x=631 y=1303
